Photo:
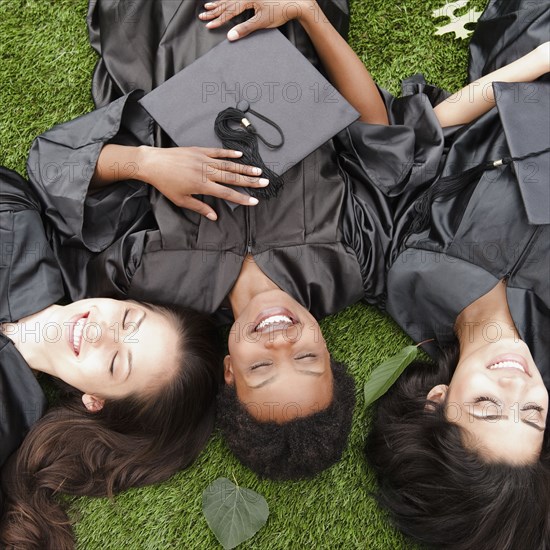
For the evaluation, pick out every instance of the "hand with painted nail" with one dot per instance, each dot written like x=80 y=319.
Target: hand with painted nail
x=268 y=14
x=180 y=173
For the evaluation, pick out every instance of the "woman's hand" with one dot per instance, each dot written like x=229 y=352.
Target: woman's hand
x=268 y=14
x=179 y=173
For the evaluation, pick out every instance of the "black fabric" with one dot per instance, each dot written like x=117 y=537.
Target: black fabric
x=29 y=282
x=329 y=238
x=489 y=233
x=325 y=239
x=142 y=43
x=534 y=115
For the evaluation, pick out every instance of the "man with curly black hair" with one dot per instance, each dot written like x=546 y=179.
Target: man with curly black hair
x=302 y=446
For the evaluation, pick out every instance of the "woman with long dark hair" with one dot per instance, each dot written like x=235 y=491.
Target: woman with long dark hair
x=137 y=383
x=461 y=448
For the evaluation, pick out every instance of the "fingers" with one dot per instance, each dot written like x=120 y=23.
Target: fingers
x=244 y=29
x=228 y=194
x=191 y=203
x=227 y=166
x=218 y=153
x=219 y=13
x=233 y=167
x=216 y=175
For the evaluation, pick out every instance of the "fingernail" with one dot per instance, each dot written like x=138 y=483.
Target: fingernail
x=239 y=154
x=202 y=15
x=263 y=182
x=211 y=216
x=208 y=25
x=232 y=35
x=209 y=5
x=256 y=171
x=253 y=200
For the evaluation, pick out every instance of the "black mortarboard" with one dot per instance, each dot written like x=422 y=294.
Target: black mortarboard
x=265 y=72
x=524 y=109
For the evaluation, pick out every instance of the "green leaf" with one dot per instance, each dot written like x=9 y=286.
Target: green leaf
x=383 y=376
x=234 y=513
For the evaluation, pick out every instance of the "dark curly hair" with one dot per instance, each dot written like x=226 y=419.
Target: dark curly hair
x=298 y=449
x=442 y=494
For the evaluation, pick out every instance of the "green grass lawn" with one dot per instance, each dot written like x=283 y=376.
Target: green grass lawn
x=45 y=70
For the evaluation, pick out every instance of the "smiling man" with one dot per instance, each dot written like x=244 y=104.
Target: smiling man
x=276 y=348
x=287 y=407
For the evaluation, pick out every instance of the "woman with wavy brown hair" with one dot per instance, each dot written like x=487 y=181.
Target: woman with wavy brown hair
x=137 y=386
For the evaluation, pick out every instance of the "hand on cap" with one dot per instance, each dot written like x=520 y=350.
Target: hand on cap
x=268 y=14
x=181 y=172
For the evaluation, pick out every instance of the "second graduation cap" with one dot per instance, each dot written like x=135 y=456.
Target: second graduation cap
x=524 y=109
x=284 y=97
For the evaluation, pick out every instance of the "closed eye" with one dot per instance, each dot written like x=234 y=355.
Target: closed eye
x=305 y=355
x=259 y=365
x=112 y=369
x=484 y=398
x=125 y=316
x=533 y=407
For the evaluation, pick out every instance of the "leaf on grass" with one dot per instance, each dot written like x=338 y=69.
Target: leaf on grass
x=234 y=513
x=383 y=376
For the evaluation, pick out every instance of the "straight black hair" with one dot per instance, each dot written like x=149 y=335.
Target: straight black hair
x=442 y=494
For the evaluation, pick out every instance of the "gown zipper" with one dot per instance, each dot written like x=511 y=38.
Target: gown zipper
x=248 y=222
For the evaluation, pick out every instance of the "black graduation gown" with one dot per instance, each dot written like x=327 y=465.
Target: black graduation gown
x=29 y=282
x=487 y=232
x=325 y=239
x=142 y=43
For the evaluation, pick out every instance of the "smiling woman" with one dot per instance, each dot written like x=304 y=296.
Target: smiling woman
x=101 y=347
x=500 y=402
x=461 y=449
x=138 y=384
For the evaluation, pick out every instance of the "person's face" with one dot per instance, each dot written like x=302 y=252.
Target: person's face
x=278 y=359
x=498 y=396
x=110 y=349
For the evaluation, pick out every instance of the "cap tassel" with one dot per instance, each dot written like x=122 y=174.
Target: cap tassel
x=237 y=132
x=450 y=186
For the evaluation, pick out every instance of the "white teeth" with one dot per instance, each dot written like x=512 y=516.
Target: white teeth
x=274 y=320
x=77 y=334
x=507 y=365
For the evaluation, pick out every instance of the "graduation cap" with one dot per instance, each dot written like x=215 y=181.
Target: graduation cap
x=258 y=92
x=524 y=109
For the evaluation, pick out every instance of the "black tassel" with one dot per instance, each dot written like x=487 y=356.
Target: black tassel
x=236 y=132
x=448 y=187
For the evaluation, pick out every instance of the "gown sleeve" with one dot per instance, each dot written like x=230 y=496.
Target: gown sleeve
x=386 y=168
x=61 y=164
x=406 y=153
x=29 y=275
x=506 y=31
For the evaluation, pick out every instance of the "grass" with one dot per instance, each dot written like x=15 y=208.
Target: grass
x=45 y=70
